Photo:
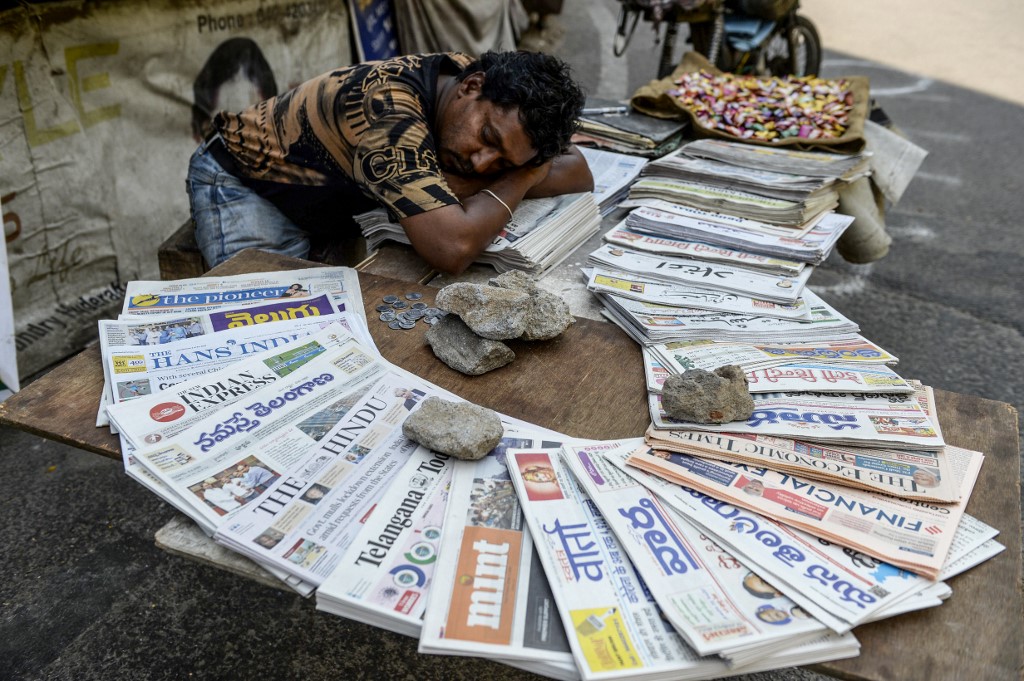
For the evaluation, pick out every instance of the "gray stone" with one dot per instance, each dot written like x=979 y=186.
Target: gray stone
x=459 y=429
x=702 y=396
x=548 y=315
x=491 y=312
x=457 y=346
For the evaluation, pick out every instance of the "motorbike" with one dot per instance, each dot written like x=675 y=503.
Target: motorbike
x=757 y=37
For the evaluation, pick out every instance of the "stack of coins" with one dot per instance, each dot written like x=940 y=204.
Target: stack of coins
x=395 y=314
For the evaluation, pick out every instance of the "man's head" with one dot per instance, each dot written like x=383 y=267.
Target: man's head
x=510 y=109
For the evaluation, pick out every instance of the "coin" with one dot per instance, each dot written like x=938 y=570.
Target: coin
x=390 y=299
x=413 y=295
x=407 y=325
x=419 y=306
x=382 y=308
x=395 y=325
x=431 y=320
x=387 y=316
x=399 y=304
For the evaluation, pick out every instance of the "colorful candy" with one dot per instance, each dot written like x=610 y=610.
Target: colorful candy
x=767 y=109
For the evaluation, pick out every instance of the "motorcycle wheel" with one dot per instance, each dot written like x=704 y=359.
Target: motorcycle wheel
x=804 y=50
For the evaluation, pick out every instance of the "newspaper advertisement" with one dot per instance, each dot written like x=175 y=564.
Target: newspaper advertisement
x=711 y=599
x=860 y=419
x=634 y=287
x=316 y=494
x=840 y=587
x=489 y=596
x=680 y=356
x=910 y=534
x=202 y=294
x=665 y=245
x=715 y=276
x=384 y=575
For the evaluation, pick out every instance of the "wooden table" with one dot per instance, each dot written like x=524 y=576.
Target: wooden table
x=589 y=383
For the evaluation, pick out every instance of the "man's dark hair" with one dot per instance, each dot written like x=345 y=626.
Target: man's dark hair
x=541 y=87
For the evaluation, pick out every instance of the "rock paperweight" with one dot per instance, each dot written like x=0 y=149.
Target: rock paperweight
x=459 y=429
x=456 y=345
x=700 y=396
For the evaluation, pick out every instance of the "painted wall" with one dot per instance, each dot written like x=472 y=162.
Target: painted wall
x=101 y=105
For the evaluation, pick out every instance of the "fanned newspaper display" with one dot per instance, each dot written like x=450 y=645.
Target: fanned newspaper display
x=490 y=596
x=713 y=601
x=903 y=532
x=613 y=174
x=541 y=233
x=615 y=629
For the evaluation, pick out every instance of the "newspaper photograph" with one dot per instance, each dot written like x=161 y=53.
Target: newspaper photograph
x=316 y=494
x=489 y=596
x=384 y=575
x=859 y=419
x=840 y=587
x=664 y=245
x=714 y=276
x=634 y=287
x=910 y=534
x=714 y=602
x=187 y=296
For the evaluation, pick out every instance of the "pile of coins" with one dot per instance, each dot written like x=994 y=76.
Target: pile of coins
x=767 y=109
x=398 y=314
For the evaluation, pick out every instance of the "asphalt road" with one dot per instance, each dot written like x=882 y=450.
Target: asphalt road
x=87 y=595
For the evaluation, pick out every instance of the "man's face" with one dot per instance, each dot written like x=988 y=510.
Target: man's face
x=476 y=137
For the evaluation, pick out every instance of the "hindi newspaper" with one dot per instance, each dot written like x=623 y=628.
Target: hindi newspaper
x=613 y=173
x=633 y=287
x=910 y=534
x=489 y=597
x=714 y=602
x=859 y=419
x=704 y=274
x=615 y=629
x=800 y=378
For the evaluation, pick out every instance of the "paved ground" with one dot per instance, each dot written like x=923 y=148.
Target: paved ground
x=86 y=594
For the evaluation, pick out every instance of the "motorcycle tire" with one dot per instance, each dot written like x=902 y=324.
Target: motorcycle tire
x=804 y=50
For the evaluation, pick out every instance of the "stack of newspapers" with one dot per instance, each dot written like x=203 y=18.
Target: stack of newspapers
x=259 y=407
x=541 y=233
x=620 y=128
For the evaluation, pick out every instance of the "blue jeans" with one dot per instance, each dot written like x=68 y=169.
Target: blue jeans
x=230 y=216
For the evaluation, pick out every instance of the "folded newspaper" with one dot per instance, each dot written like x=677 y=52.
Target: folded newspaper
x=615 y=629
x=541 y=233
x=910 y=534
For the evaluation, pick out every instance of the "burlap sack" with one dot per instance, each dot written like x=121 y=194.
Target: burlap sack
x=654 y=99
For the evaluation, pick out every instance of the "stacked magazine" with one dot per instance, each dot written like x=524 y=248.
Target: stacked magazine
x=610 y=125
